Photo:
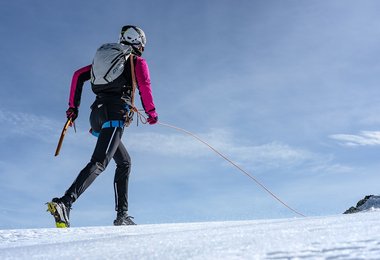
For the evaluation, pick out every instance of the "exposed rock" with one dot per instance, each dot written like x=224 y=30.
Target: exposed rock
x=368 y=203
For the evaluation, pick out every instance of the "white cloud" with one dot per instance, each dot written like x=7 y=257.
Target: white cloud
x=27 y=124
x=364 y=138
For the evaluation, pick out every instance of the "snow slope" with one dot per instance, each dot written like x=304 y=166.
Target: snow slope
x=354 y=236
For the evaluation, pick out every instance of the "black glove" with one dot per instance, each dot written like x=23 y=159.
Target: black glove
x=72 y=113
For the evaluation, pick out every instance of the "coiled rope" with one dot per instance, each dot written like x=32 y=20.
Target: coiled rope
x=143 y=120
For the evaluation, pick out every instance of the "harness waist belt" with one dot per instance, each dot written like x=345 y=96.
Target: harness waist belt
x=108 y=124
x=113 y=123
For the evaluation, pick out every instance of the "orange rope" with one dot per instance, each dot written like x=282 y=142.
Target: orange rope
x=134 y=83
x=141 y=116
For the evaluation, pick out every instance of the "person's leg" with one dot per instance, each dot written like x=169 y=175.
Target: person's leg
x=106 y=146
x=123 y=169
x=123 y=162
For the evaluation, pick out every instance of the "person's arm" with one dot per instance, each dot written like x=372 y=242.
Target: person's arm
x=145 y=90
x=79 y=77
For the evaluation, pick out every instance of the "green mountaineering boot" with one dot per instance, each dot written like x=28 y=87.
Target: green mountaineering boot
x=60 y=212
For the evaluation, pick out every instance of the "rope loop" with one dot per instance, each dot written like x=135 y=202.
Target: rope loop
x=139 y=116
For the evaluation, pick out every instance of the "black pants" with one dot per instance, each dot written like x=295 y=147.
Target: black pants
x=108 y=146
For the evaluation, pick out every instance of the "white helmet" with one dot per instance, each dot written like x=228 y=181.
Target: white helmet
x=132 y=35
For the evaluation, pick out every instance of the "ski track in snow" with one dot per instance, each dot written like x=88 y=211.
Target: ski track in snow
x=355 y=236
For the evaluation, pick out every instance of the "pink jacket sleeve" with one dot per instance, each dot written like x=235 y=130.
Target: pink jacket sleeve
x=79 y=77
x=143 y=84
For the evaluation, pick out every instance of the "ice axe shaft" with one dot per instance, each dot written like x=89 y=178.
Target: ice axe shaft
x=67 y=124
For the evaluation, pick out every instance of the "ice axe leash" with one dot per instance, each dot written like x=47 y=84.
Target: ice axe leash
x=141 y=116
x=65 y=127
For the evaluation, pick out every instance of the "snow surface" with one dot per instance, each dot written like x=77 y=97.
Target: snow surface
x=354 y=236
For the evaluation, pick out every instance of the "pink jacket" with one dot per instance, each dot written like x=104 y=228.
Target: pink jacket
x=143 y=85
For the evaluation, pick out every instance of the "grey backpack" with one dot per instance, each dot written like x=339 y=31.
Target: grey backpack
x=109 y=62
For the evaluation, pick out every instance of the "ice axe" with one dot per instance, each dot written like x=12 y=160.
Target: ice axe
x=67 y=124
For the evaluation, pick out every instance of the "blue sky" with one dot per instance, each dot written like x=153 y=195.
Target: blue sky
x=286 y=89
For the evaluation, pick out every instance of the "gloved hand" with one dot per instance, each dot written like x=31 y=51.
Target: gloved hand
x=152 y=117
x=72 y=113
x=152 y=120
